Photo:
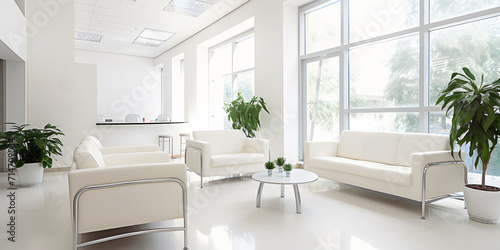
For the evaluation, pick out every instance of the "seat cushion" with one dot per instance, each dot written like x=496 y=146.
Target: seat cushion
x=384 y=172
x=237 y=159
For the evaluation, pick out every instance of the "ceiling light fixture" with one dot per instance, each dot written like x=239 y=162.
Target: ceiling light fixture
x=87 y=37
x=152 y=38
x=192 y=8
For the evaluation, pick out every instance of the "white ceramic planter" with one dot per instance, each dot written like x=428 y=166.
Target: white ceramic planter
x=482 y=206
x=30 y=174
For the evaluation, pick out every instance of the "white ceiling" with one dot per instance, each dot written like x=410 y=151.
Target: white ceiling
x=121 y=21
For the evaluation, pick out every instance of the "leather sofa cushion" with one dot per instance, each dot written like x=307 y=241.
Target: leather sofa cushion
x=87 y=155
x=382 y=147
x=352 y=144
x=221 y=141
x=388 y=147
x=387 y=173
x=237 y=159
x=369 y=146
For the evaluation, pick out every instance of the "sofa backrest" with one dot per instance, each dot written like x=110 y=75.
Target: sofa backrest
x=388 y=147
x=87 y=155
x=417 y=142
x=93 y=140
x=222 y=141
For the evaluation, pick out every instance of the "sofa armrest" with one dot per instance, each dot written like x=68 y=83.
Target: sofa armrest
x=125 y=205
x=198 y=153
x=129 y=149
x=254 y=145
x=420 y=159
x=136 y=158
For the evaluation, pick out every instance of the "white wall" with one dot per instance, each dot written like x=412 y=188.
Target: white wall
x=125 y=84
x=60 y=91
x=269 y=71
x=15 y=75
x=174 y=102
x=12 y=32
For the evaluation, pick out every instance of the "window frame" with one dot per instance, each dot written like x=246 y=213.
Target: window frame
x=233 y=42
x=423 y=30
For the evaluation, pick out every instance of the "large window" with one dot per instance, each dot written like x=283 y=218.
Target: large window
x=380 y=65
x=231 y=70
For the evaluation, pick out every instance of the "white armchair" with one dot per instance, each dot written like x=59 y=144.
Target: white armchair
x=225 y=152
x=119 y=190
x=120 y=149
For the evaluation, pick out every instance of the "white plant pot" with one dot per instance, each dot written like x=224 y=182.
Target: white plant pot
x=482 y=206
x=30 y=174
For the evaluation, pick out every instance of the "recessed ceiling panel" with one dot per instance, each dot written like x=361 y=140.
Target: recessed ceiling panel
x=192 y=8
x=119 y=23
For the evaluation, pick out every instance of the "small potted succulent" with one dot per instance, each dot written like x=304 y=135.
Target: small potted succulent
x=280 y=161
x=288 y=168
x=269 y=166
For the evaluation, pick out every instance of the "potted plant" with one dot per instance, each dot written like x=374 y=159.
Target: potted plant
x=31 y=150
x=280 y=161
x=476 y=123
x=269 y=166
x=245 y=115
x=288 y=168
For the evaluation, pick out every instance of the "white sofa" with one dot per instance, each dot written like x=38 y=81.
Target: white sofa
x=119 y=190
x=120 y=149
x=225 y=152
x=410 y=165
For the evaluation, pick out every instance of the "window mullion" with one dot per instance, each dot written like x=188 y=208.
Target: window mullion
x=344 y=68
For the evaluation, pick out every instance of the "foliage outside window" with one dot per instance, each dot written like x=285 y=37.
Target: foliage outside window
x=392 y=63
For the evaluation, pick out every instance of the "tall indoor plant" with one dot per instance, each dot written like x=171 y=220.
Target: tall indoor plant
x=32 y=150
x=476 y=123
x=245 y=115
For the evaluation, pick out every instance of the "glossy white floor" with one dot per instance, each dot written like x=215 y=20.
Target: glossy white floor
x=223 y=216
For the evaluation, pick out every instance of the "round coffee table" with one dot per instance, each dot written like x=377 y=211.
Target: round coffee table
x=297 y=176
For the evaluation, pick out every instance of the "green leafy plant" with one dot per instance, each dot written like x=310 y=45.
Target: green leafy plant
x=245 y=115
x=32 y=145
x=476 y=115
x=287 y=167
x=280 y=161
x=269 y=165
